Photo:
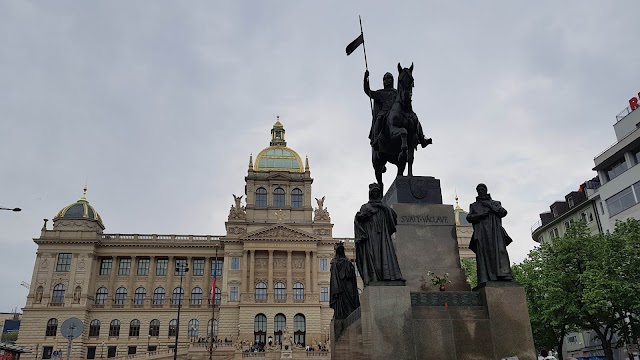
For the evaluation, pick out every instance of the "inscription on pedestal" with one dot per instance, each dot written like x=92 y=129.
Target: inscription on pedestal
x=424 y=219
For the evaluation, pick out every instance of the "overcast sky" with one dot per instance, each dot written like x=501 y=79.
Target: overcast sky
x=159 y=104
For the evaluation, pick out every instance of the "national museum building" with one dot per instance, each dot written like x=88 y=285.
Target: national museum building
x=271 y=270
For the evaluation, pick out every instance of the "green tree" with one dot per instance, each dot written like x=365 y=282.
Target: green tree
x=470 y=270
x=10 y=336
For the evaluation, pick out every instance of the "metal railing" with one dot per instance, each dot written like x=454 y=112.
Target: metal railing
x=536 y=226
x=622 y=114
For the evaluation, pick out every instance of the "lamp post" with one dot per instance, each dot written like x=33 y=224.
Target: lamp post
x=148 y=341
x=10 y=209
x=102 y=350
x=181 y=268
x=213 y=300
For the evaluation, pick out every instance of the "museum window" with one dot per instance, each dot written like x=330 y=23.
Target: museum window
x=261 y=197
x=143 y=267
x=198 y=267
x=158 y=296
x=131 y=350
x=91 y=352
x=134 y=328
x=235 y=263
x=112 y=351
x=620 y=201
x=194 y=324
x=124 y=267
x=280 y=291
x=324 y=264
x=180 y=265
x=94 y=328
x=616 y=169
x=233 y=293
x=324 y=294
x=121 y=296
x=261 y=291
x=105 y=266
x=101 y=295
x=47 y=351
x=299 y=329
x=216 y=265
x=58 y=294
x=161 y=267
x=217 y=297
x=154 y=327
x=64 y=263
x=178 y=295
x=260 y=328
x=296 y=198
x=114 y=328
x=196 y=296
x=173 y=327
x=215 y=328
x=279 y=324
x=278 y=197
x=52 y=327
x=298 y=291
x=140 y=295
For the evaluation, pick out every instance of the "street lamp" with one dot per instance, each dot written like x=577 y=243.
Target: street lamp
x=148 y=341
x=10 y=209
x=181 y=268
x=213 y=300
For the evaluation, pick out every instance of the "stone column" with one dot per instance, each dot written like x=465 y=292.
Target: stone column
x=245 y=266
x=315 y=266
x=252 y=272
x=289 y=276
x=307 y=271
x=270 y=270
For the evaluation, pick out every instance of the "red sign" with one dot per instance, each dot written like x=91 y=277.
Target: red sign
x=633 y=102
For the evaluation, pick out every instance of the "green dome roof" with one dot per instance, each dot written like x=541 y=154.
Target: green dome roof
x=278 y=157
x=79 y=210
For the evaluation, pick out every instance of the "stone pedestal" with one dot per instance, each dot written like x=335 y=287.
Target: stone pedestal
x=386 y=323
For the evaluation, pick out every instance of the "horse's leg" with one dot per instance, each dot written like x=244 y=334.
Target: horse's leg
x=378 y=166
x=410 y=162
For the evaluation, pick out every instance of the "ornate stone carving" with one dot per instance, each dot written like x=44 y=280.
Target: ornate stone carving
x=76 y=295
x=297 y=264
x=280 y=232
x=321 y=213
x=237 y=211
x=322 y=232
x=236 y=230
x=81 y=265
x=39 y=291
x=262 y=264
x=44 y=264
x=279 y=263
x=280 y=215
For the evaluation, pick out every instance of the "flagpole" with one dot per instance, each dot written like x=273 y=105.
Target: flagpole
x=213 y=301
x=366 y=66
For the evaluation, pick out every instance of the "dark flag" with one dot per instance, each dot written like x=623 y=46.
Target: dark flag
x=354 y=44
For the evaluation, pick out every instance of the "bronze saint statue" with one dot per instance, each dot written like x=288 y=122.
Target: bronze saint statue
x=343 y=290
x=375 y=253
x=489 y=240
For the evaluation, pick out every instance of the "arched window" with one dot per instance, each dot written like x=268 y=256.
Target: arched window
x=278 y=197
x=298 y=291
x=134 y=328
x=261 y=291
x=58 y=294
x=154 y=327
x=280 y=292
x=296 y=198
x=94 y=328
x=121 y=296
x=196 y=296
x=194 y=324
x=114 y=328
x=101 y=295
x=139 y=296
x=299 y=329
x=52 y=327
x=158 y=296
x=215 y=328
x=173 y=327
x=178 y=295
x=279 y=323
x=260 y=328
x=261 y=197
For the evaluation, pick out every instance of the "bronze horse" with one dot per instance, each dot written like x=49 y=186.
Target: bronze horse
x=399 y=137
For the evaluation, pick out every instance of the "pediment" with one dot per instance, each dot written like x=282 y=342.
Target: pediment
x=280 y=232
x=279 y=176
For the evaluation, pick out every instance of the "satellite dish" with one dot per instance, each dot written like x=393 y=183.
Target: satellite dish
x=72 y=328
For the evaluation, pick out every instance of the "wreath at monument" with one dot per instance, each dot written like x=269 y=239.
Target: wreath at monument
x=436 y=280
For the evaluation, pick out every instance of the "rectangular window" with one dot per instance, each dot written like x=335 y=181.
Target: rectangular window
x=124 y=267
x=235 y=263
x=91 y=352
x=46 y=352
x=324 y=294
x=131 y=350
x=621 y=201
x=143 y=267
x=217 y=266
x=152 y=348
x=198 y=267
x=570 y=202
x=180 y=264
x=111 y=351
x=616 y=169
x=105 y=266
x=233 y=293
x=161 y=267
x=636 y=155
x=567 y=224
x=64 y=262
x=324 y=264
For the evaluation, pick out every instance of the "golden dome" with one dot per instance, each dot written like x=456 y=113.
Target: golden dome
x=278 y=157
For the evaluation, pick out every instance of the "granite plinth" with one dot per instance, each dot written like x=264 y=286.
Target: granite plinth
x=414 y=190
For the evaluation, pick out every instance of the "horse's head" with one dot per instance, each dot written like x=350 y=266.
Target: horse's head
x=405 y=83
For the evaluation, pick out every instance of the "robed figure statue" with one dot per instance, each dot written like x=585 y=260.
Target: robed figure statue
x=375 y=253
x=343 y=289
x=489 y=240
